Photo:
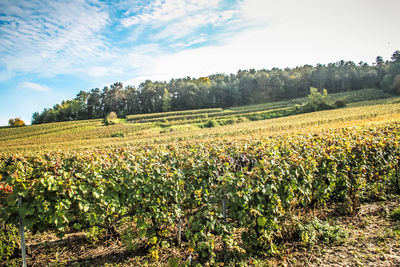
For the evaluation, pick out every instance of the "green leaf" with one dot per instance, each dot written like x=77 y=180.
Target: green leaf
x=83 y=206
x=30 y=210
x=173 y=262
x=140 y=223
x=83 y=188
x=261 y=221
x=77 y=226
x=11 y=200
x=28 y=222
x=41 y=227
x=96 y=194
x=23 y=193
x=70 y=216
x=22 y=212
x=142 y=232
x=165 y=244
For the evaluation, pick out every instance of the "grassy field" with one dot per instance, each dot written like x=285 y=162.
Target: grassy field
x=212 y=187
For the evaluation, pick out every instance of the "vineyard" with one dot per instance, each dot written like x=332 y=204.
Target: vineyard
x=222 y=195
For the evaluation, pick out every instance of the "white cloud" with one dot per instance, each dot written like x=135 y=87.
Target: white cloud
x=165 y=11
x=174 y=19
x=51 y=37
x=197 y=40
x=34 y=87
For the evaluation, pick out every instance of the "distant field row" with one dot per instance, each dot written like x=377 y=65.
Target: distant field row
x=149 y=116
x=346 y=97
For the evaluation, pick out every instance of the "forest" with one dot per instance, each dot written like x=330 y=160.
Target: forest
x=222 y=90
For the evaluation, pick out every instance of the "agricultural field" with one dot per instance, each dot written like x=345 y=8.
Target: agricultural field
x=255 y=185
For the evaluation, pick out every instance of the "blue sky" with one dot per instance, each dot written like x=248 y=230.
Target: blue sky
x=50 y=50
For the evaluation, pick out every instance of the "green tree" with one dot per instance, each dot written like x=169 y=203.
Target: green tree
x=37 y=118
x=396 y=84
x=147 y=93
x=49 y=115
x=94 y=104
x=396 y=56
x=390 y=82
x=379 y=63
x=82 y=100
x=166 y=101
x=132 y=100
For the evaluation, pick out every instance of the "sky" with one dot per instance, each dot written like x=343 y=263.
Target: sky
x=51 y=50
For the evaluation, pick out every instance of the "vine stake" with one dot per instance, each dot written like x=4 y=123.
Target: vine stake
x=224 y=218
x=21 y=232
x=179 y=232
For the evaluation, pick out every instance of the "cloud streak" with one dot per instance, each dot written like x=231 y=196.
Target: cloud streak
x=34 y=86
x=174 y=19
x=166 y=11
x=51 y=37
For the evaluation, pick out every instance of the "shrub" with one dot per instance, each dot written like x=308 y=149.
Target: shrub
x=132 y=236
x=316 y=231
x=210 y=124
x=119 y=134
x=316 y=101
x=111 y=118
x=95 y=234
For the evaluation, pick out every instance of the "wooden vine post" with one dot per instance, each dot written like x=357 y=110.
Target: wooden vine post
x=179 y=237
x=224 y=218
x=179 y=232
x=22 y=234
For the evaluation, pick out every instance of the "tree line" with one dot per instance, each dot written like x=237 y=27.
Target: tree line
x=222 y=90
